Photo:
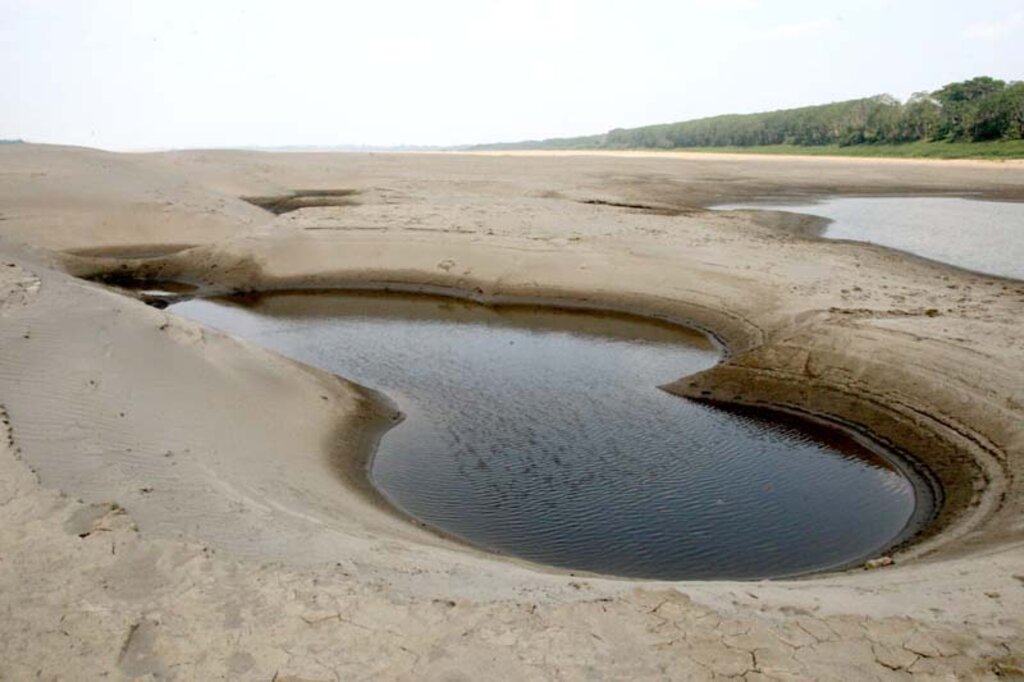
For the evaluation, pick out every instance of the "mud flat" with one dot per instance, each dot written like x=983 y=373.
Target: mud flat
x=272 y=566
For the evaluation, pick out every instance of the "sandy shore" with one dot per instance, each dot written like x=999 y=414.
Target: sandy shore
x=179 y=504
x=696 y=155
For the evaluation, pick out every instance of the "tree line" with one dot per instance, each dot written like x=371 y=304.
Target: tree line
x=975 y=110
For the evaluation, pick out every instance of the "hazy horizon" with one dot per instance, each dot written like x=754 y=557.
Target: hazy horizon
x=118 y=75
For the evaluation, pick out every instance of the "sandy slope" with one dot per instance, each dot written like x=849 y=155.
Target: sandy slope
x=241 y=544
x=75 y=198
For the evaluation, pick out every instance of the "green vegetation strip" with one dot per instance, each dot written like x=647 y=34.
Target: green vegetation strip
x=1002 y=149
x=979 y=118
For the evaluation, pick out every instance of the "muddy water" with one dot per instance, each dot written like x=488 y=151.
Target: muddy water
x=542 y=434
x=985 y=236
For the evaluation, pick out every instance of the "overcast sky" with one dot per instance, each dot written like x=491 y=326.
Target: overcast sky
x=124 y=74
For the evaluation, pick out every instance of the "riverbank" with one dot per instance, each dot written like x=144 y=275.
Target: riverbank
x=998 y=150
x=262 y=561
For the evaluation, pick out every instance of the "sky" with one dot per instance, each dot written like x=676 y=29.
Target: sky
x=146 y=74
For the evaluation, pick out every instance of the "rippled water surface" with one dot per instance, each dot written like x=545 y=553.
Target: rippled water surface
x=542 y=434
x=986 y=236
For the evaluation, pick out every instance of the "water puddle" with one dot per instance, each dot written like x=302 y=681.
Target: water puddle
x=985 y=236
x=542 y=434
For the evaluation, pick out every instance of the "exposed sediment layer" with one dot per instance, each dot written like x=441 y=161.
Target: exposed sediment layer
x=925 y=357
x=795 y=368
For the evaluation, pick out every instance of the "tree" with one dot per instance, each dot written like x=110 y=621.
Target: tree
x=920 y=118
x=960 y=103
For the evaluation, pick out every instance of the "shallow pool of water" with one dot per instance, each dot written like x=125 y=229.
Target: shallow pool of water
x=542 y=434
x=986 y=236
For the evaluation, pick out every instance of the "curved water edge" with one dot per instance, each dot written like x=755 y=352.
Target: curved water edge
x=972 y=234
x=423 y=418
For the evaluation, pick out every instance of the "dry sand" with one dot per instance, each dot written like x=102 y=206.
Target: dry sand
x=178 y=504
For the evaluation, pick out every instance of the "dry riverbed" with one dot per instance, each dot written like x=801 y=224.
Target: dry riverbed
x=211 y=519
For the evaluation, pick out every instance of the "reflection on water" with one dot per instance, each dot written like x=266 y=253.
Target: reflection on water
x=541 y=434
x=986 y=236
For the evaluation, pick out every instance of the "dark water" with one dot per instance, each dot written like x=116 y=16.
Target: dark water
x=541 y=434
x=985 y=236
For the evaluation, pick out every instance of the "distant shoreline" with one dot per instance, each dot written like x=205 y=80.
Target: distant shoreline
x=712 y=153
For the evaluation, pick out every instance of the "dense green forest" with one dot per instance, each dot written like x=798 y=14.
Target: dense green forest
x=982 y=109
